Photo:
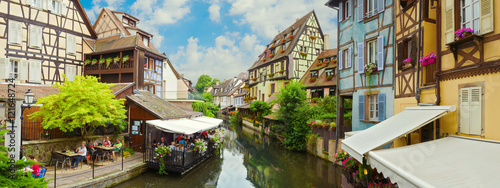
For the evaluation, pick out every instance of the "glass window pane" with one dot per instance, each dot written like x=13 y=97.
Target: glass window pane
x=476 y=10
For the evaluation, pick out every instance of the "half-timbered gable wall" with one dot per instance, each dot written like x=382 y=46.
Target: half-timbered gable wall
x=292 y=52
x=40 y=42
x=366 y=36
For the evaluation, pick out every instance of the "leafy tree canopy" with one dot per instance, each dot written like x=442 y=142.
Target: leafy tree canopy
x=262 y=108
x=208 y=97
x=83 y=104
x=205 y=81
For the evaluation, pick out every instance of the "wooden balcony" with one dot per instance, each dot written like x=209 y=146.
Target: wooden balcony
x=128 y=66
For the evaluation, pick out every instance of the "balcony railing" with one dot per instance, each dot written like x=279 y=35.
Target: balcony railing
x=128 y=64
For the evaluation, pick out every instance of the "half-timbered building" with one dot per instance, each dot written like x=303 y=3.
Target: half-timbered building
x=124 y=53
x=414 y=82
x=40 y=40
x=287 y=57
x=319 y=80
x=365 y=38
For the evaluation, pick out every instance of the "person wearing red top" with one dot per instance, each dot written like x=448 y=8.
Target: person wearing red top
x=35 y=167
x=179 y=138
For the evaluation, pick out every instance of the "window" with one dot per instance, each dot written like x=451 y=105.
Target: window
x=371 y=52
x=471 y=110
x=282 y=65
x=373 y=107
x=35 y=36
x=314 y=74
x=317 y=51
x=407 y=49
x=470 y=14
x=345 y=58
x=14 y=69
x=70 y=44
x=305 y=49
x=15 y=33
x=145 y=39
x=36 y=3
x=55 y=7
x=330 y=72
x=273 y=88
x=277 y=67
x=301 y=48
x=371 y=7
x=272 y=68
x=345 y=10
x=406 y=3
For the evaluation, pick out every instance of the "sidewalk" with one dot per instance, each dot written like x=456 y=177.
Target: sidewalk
x=72 y=177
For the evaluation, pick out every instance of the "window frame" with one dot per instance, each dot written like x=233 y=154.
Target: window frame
x=330 y=72
x=12 y=70
x=370 y=12
x=345 y=59
x=372 y=99
x=480 y=85
x=369 y=56
x=55 y=10
x=472 y=19
x=314 y=74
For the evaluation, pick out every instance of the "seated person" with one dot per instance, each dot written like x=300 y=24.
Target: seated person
x=82 y=153
x=35 y=168
x=90 y=148
x=172 y=146
x=155 y=144
x=179 y=138
x=183 y=142
x=117 y=147
x=106 y=142
x=163 y=142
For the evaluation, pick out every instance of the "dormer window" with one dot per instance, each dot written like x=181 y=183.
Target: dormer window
x=145 y=39
x=314 y=74
x=128 y=21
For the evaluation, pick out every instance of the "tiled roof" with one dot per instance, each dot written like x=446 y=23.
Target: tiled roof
x=119 y=87
x=40 y=91
x=227 y=87
x=321 y=80
x=298 y=25
x=156 y=105
x=115 y=42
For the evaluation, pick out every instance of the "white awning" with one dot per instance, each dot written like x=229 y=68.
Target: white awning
x=448 y=162
x=182 y=126
x=409 y=120
x=210 y=120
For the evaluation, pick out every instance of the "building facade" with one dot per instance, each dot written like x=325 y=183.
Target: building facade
x=124 y=53
x=320 y=79
x=365 y=60
x=287 y=57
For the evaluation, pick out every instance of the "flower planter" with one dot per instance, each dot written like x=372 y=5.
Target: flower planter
x=405 y=66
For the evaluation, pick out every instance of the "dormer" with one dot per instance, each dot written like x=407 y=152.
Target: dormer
x=126 y=19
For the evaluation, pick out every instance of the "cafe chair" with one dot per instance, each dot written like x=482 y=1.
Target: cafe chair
x=56 y=158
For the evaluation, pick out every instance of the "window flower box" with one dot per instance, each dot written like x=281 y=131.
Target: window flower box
x=329 y=78
x=271 y=55
x=263 y=59
x=463 y=32
x=282 y=51
x=254 y=79
x=334 y=61
x=272 y=46
x=407 y=63
x=283 y=40
x=271 y=75
x=102 y=61
x=312 y=37
x=266 y=50
x=125 y=59
x=281 y=71
x=290 y=37
x=303 y=54
x=312 y=79
x=88 y=62
x=116 y=59
x=326 y=62
x=371 y=68
x=94 y=61
x=428 y=59
x=319 y=63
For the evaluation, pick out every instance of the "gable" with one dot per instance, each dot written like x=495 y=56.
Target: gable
x=105 y=25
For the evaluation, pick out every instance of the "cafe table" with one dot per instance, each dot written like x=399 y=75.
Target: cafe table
x=69 y=155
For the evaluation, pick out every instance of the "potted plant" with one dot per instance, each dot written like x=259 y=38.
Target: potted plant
x=108 y=61
x=463 y=32
x=370 y=68
x=290 y=37
x=116 y=59
x=283 y=40
x=94 y=61
x=271 y=75
x=312 y=37
x=329 y=78
x=281 y=71
x=87 y=62
x=282 y=51
x=326 y=126
x=271 y=55
x=272 y=46
x=303 y=54
x=312 y=79
x=333 y=126
x=326 y=62
x=102 y=61
x=125 y=59
x=428 y=59
x=254 y=79
x=266 y=50
x=407 y=63
x=263 y=59
x=334 y=61
x=320 y=63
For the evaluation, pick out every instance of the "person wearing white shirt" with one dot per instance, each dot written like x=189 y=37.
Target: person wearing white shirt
x=82 y=153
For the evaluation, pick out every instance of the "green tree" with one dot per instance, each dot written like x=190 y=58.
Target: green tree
x=205 y=81
x=83 y=104
x=262 y=108
x=15 y=178
x=208 y=97
x=294 y=113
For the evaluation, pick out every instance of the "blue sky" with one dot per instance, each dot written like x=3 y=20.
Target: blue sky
x=220 y=38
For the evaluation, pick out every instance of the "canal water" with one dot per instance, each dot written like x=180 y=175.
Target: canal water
x=249 y=159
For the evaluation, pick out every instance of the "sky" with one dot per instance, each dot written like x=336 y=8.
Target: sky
x=220 y=38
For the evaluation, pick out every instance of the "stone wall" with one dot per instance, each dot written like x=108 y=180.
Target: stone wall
x=42 y=149
x=318 y=150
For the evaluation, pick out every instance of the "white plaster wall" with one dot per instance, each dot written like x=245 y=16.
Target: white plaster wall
x=170 y=80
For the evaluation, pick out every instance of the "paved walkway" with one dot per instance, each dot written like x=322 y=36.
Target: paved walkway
x=70 y=176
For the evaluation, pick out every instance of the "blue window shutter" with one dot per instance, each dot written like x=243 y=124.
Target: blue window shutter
x=361 y=59
x=341 y=7
x=381 y=107
x=380 y=58
x=381 y=6
x=361 y=108
x=360 y=11
x=339 y=62
x=349 y=8
x=350 y=58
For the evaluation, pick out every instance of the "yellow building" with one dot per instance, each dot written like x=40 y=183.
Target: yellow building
x=415 y=84
x=287 y=57
x=469 y=77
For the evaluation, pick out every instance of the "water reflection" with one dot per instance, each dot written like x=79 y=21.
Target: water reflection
x=249 y=160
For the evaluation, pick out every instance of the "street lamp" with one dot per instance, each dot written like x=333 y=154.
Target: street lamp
x=28 y=101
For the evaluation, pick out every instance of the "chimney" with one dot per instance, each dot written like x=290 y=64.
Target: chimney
x=326 y=41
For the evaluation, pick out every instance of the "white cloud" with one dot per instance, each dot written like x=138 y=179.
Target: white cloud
x=230 y=55
x=97 y=7
x=266 y=18
x=214 y=11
